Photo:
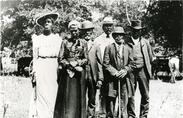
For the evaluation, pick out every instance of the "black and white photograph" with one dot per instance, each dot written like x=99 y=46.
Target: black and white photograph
x=91 y=59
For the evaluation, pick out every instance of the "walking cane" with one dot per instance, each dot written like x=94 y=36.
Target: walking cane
x=119 y=98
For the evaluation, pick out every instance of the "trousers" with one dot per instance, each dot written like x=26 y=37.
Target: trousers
x=111 y=103
x=142 y=78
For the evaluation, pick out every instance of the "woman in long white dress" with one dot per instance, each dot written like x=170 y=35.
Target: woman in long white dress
x=45 y=53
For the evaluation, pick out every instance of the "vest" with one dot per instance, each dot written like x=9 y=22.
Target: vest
x=138 y=56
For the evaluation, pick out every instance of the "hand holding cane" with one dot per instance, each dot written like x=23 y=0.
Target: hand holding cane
x=122 y=74
x=118 y=104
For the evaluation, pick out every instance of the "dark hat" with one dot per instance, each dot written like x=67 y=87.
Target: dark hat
x=118 y=30
x=86 y=25
x=43 y=17
x=136 y=24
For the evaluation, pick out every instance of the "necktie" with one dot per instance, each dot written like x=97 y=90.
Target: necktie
x=120 y=55
x=119 y=50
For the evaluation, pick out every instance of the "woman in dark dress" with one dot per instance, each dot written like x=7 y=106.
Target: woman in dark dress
x=72 y=59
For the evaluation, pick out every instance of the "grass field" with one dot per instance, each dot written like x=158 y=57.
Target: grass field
x=166 y=100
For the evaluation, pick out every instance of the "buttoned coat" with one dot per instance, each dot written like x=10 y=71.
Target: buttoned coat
x=146 y=52
x=95 y=62
x=111 y=66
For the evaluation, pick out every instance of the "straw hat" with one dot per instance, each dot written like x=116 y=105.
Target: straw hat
x=108 y=20
x=40 y=20
x=86 y=25
x=74 y=25
x=118 y=30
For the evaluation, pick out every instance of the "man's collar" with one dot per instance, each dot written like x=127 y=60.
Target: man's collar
x=118 y=44
x=110 y=35
x=135 y=40
x=89 y=41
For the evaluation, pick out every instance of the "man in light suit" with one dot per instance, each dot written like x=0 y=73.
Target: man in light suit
x=116 y=68
x=142 y=59
x=94 y=68
x=104 y=40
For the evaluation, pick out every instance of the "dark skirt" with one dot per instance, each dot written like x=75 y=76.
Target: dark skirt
x=71 y=101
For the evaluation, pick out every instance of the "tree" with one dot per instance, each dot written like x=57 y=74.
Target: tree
x=24 y=14
x=165 y=21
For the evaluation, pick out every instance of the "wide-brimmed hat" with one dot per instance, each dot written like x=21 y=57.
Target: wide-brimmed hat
x=74 y=25
x=118 y=30
x=136 y=24
x=108 y=20
x=87 y=25
x=40 y=20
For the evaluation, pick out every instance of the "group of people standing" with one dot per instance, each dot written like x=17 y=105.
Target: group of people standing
x=69 y=72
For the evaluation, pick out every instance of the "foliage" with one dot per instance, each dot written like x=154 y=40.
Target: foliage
x=163 y=19
x=25 y=12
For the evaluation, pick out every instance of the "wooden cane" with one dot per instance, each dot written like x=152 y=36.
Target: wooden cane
x=119 y=99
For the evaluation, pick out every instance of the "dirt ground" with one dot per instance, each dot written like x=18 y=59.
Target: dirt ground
x=166 y=100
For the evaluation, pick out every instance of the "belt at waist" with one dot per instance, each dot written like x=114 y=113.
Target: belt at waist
x=47 y=57
x=71 y=59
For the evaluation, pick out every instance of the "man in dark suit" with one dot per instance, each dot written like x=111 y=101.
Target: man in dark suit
x=94 y=68
x=116 y=70
x=142 y=56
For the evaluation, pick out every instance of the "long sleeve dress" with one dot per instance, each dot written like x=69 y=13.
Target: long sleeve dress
x=71 y=101
x=45 y=64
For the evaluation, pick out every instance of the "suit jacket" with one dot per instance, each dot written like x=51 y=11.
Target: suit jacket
x=95 y=62
x=146 y=52
x=111 y=66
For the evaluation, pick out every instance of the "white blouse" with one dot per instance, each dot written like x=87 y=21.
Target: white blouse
x=46 y=46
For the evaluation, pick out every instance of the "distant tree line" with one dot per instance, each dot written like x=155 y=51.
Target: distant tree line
x=162 y=19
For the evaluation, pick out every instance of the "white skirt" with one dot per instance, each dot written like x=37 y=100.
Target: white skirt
x=46 y=88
